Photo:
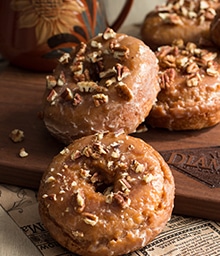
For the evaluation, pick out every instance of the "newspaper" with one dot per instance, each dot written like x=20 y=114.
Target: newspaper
x=181 y=236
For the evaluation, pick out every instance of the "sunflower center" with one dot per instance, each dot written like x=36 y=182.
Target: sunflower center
x=47 y=9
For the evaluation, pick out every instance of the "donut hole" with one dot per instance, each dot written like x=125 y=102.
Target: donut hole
x=94 y=70
x=103 y=188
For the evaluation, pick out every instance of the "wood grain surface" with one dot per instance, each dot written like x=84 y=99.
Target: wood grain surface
x=20 y=103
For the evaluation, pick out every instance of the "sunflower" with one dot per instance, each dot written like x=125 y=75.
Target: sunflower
x=49 y=17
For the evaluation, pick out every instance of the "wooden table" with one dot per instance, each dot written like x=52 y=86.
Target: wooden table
x=194 y=156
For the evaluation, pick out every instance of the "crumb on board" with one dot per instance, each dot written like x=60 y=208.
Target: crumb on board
x=16 y=135
x=23 y=153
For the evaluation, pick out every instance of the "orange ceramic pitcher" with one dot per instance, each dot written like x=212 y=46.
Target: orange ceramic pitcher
x=34 y=33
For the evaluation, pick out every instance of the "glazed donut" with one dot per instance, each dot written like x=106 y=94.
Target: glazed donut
x=108 y=84
x=106 y=194
x=190 y=88
x=215 y=29
x=179 y=19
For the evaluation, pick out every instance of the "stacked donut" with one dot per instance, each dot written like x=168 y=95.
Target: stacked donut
x=106 y=193
x=110 y=83
x=184 y=36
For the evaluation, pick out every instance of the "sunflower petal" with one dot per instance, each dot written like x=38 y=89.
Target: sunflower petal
x=28 y=21
x=43 y=31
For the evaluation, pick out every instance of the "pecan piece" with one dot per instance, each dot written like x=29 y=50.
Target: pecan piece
x=77 y=99
x=67 y=94
x=124 y=91
x=121 y=52
x=52 y=96
x=90 y=219
x=122 y=71
x=89 y=86
x=80 y=199
x=100 y=99
x=23 y=153
x=121 y=199
x=50 y=82
x=65 y=58
x=108 y=34
x=17 y=135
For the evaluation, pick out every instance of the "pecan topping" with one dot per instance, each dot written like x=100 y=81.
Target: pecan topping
x=121 y=52
x=137 y=167
x=123 y=91
x=107 y=73
x=108 y=34
x=188 y=60
x=90 y=219
x=50 y=179
x=51 y=82
x=65 y=58
x=61 y=79
x=96 y=44
x=122 y=71
x=52 y=96
x=100 y=99
x=173 y=11
x=89 y=86
x=67 y=94
x=77 y=99
x=122 y=199
x=75 y=155
x=80 y=199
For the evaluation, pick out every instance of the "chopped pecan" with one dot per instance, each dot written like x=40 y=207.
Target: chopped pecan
x=51 y=82
x=95 y=178
x=122 y=71
x=23 y=153
x=67 y=94
x=52 y=96
x=168 y=61
x=110 y=82
x=100 y=148
x=50 y=179
x=80 y=199
x=125 y=186
x=95 y=56
x=85 y=173
x=115 y=153
x=121 y=52
x=75 y=155
x=107 y=73
x=211 y=71
x=77 y=99
x=193 y=80
x=96 y=44
x=17 y=135
x=65 y=58
x=122 y=199
x=61 y=79
x=192 y=68
x=108 y=34
x=81 y=50
x=100 y=99
x=171 y=18
x=148 y=177
x=123 y=91
x=77 y=68
x=137 y=167
x=90 y=86
x=167 y=77
x=90 y=219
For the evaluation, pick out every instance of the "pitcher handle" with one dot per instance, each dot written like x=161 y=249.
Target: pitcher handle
x=122 y=15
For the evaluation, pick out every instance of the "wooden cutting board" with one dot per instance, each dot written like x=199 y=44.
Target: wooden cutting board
x=194 y=156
